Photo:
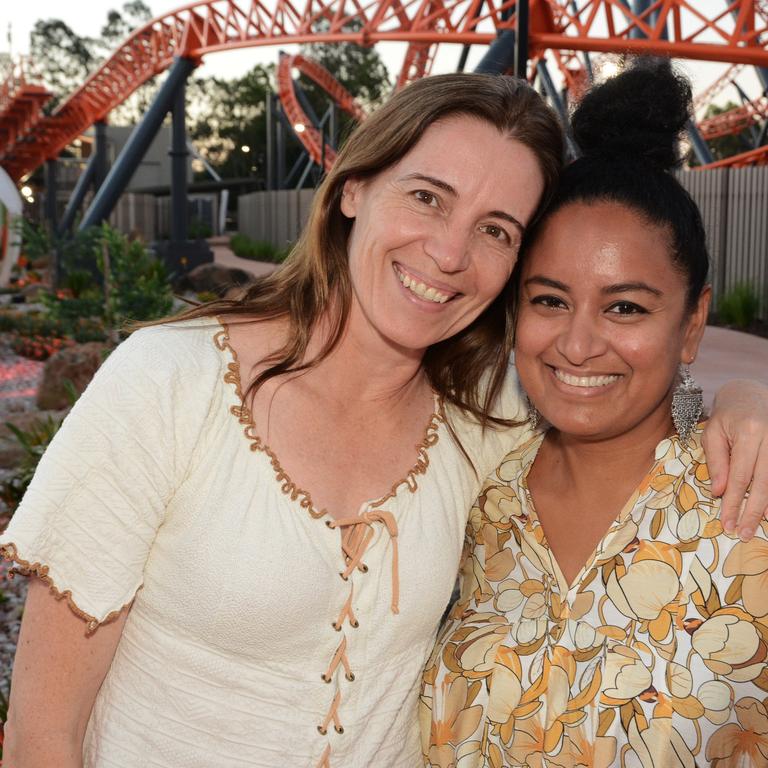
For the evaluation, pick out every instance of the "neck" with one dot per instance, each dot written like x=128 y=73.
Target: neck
x=628 y=455
x=364 y=366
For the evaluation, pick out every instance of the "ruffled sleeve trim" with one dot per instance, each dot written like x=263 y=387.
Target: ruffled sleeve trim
x=27 y=568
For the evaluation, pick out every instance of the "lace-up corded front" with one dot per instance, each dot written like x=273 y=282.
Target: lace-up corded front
x=357 y=534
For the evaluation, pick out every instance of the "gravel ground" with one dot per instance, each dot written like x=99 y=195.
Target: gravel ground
x=19 y=379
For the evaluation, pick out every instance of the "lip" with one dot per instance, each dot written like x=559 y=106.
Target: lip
x=428 y=281
x=574 y=390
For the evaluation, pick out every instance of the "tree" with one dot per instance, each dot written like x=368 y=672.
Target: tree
x=65 y=59
x=62 y=58
x=231 y=114
x=733 y=144
x=226 y=115
x=359 y=69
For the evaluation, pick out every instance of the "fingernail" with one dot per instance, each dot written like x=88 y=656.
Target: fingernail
x=729 y=527
x=745 y=534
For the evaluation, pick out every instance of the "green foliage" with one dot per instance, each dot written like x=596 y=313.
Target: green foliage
x=231 y=114
x=739 y=306
x=36 y=241
x=257 y=250
x=727 y=146
x=228 y=115
x=106 y=279
x=44 y=325
x=34 y=440
x=199 y=230
x=64 y=59
x=136 y=283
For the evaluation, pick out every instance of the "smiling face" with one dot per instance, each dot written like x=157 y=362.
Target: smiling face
x=435 y=236
x=603 y=323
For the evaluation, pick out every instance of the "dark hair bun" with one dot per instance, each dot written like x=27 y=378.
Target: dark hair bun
x=637 y=115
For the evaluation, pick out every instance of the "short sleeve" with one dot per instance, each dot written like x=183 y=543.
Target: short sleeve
x=487 y=447
x=91 y=512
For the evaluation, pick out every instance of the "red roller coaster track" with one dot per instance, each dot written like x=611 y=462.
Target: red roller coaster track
x=736 y=34
x=310 y=137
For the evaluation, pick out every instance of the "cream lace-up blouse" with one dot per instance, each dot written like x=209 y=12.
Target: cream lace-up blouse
x=259 y=635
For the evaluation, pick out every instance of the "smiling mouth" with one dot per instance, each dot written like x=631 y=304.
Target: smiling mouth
x=584 y=381
x=426 y=292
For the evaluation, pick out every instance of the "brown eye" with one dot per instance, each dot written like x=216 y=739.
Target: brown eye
x=425 y=197
x=495 y=231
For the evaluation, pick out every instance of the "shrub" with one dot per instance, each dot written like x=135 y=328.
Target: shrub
x=137 y=284
x=39 y=347
x=739 y=306
x=34 y=440
x=257 y=250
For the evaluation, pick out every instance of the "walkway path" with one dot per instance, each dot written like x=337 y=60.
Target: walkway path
x=725 y=355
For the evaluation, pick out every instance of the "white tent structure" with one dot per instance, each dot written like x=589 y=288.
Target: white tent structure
x=10 y=207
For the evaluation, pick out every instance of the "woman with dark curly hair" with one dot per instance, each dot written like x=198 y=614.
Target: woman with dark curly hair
x=606 y=617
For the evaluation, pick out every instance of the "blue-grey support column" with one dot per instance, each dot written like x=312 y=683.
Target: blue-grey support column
x=51 y=190
x=179 y=154
x=84 y=181
x=521 y=47
x=136 y=146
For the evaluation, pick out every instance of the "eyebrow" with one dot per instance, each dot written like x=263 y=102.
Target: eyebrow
x=608 y=289
x=445 y=186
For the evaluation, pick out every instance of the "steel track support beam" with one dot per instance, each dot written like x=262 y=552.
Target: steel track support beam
x=269 y=160
x=179 y=154
x=136 y=146
x=542 y=70
x=522 y=21
x=100 y=148
x=51 y=191
x=84 y=182
x=700 y=146
x=500 y=55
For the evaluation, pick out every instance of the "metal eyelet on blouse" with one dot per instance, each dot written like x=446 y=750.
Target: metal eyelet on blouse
x=344 y=578
x=350 y=676
x=336 y=626
x=325 y=678
x=354 y=624
x=322 y=731
x=338 y=728
x=364 y=568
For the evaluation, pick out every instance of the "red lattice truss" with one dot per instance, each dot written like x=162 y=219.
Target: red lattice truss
x=310 y=137
x=735 y=34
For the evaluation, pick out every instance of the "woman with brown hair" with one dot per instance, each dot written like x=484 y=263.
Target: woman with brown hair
x=236 y=507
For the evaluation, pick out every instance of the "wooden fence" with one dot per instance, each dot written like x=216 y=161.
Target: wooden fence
x=734 y=206
x=733 y=203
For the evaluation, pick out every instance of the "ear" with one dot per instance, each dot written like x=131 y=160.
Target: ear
x=350 y=197
x=695 y=325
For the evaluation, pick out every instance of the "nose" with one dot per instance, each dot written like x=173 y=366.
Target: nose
x=449 y=249
x=581 y=339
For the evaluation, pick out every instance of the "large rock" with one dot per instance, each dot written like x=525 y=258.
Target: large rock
x=213 y=278
x=76 y=364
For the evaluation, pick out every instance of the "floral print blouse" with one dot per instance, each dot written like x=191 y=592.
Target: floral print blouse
x=655 y=656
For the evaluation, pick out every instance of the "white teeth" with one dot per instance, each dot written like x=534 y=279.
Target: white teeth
x=584 y=381
x=421 y=290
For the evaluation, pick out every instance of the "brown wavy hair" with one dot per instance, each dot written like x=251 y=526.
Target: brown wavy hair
x=314 y=281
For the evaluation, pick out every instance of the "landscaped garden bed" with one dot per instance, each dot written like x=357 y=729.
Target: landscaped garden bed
x=51 y=344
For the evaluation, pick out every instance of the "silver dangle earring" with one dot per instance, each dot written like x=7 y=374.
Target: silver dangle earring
x=534 y=417
x=687 y=404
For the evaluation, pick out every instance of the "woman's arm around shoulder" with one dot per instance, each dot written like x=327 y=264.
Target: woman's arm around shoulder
x=736 y=443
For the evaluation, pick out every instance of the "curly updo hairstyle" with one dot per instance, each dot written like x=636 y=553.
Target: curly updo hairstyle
x=628 y=131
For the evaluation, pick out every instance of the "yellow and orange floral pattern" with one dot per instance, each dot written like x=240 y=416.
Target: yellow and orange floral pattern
x=655 y=657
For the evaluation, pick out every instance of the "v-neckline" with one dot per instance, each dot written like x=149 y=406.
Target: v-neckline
x=242 y=412
x=614 y=526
